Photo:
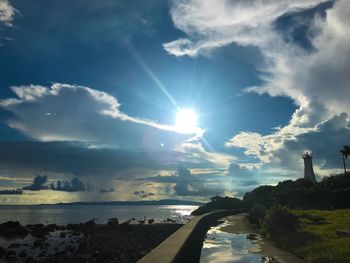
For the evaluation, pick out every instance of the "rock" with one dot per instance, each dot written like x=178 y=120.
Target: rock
x=2 y=252
x=12 y=229
x=40 y=243
x=38 y=230
x=22 y=254
x=269 y=260
x=125 y=226
x=252 y=236
x=51 y=227
x=30 y=259
x=9 y=224
x=150 y=221
x=90 y=223
x=10 y=255
x=96 y=253
x=63 y=235
x=74 y=227
x=42 y=253
x=113 y=221
x=14 y=245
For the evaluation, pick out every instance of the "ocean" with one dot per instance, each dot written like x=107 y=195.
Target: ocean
x=71 y=214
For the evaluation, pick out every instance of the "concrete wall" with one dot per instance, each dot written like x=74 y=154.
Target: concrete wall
x=185 y=245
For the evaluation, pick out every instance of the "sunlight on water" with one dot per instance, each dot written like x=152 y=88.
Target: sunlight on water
x=180 y=210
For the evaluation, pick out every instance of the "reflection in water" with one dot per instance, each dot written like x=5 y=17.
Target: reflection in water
x=222 y=247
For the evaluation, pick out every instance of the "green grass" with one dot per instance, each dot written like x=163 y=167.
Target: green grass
x=317 y=241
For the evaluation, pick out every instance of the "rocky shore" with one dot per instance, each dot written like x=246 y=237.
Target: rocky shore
x=85 y=242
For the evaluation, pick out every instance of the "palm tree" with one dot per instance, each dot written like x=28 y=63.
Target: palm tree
x=345 y=152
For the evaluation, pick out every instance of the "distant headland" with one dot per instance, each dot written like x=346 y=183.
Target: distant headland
x=145 y=202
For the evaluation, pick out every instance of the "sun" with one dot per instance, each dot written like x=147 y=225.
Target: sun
x=186 y=121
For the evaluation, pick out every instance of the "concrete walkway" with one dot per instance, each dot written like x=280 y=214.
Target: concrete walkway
x=185 y=244
x=237 y=224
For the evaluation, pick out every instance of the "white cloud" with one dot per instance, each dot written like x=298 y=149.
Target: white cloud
x=317 y=79
x=7 y=12
x=198 y=153
x=73 y=113
x=211 y=24
x=277 y=150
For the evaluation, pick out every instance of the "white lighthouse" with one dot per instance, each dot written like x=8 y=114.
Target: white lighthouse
x=308 y=169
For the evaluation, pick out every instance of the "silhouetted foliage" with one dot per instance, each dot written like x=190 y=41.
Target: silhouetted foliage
x=333 y=192
x=345 y=153
x=218 y=203
x=257 y=215
x=262 y=195
x=279 y=220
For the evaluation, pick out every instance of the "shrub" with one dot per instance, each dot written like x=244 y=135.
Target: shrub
x=256 y=215
x=280 y=220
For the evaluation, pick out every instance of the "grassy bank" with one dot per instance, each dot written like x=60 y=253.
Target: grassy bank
x=325 y=246
x=309 y=234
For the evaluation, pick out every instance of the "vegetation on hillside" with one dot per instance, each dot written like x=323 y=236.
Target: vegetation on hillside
x=218 y=203
x=333 y=192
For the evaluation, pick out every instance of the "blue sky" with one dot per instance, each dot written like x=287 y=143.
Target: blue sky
x=90 y=90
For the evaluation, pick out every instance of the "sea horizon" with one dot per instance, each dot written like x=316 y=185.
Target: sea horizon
x=78 y=213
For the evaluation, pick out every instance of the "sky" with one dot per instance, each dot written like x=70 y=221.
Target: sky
x=179 y=99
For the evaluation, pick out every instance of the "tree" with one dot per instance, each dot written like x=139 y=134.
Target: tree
x=345 y=152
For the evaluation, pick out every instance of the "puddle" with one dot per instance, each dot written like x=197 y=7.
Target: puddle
x=223 y=247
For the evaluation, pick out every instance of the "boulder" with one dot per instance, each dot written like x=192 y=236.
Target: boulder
x=12 y=229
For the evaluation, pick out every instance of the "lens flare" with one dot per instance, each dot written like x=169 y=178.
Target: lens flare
x=186 y=121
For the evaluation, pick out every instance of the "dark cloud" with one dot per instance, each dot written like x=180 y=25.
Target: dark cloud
x=103 y=191
x=38 y=183
x=84 y=160
x=25 y=158
x=11 y=192
x=188 y=184
x=74 y=185
x=143 y=194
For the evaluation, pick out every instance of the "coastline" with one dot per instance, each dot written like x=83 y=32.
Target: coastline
x=112 y=242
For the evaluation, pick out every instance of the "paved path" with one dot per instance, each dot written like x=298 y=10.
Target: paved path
x=185 y=244
x=237 y=224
